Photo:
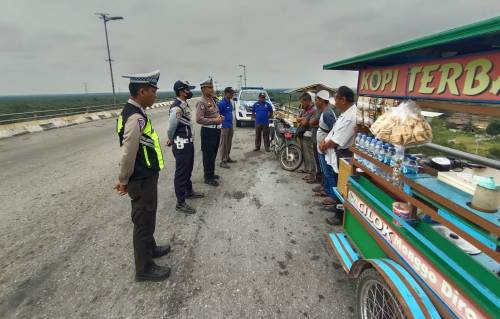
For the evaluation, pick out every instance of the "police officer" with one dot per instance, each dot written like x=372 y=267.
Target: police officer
x=140 y=163
x=180 y=137
x=207 y=114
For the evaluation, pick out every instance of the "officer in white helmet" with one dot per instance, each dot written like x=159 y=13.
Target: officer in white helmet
x=141 y=161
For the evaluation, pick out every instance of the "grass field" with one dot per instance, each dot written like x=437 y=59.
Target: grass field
x=27 y=103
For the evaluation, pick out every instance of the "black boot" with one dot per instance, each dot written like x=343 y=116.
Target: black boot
x=185 y=208
x=224 y=165
x=211 y=182
x=231 y=161
x=154 y=273
x=334 y=220
x=159 y=251
x=194 y=194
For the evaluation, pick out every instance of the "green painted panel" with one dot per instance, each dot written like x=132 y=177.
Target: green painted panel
x=365 y=244
x=464 y=260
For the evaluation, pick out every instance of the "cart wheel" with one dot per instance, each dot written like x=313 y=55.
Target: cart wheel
x=238 y=123
x=293 y=160
x=375 y=298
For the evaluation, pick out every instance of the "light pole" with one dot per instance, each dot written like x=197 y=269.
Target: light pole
x=105 y=18
x=241 y=81
x=244 y=73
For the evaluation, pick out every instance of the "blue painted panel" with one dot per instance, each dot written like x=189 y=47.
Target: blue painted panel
x=339 y=196
x=401 y=287
x=348 y=247
x=347 y=262
x=455 y=195
x=481 y=288
x=421 y=293
x=485 y=240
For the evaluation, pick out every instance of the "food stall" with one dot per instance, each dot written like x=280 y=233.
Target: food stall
x=421 y=246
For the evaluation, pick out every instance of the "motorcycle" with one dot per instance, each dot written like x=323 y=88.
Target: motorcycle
x=284 y=145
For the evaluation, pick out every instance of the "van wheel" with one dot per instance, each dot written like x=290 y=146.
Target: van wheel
x=238 y=123
x=375 y=298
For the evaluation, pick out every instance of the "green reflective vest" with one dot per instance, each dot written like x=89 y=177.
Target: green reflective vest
x=149 y=155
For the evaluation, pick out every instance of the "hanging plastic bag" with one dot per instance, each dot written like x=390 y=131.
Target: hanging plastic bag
x=403 y=125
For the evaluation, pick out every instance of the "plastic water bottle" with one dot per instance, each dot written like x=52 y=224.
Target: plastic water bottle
x=376 y=152
x=410 y=166
x=367 y=144
x=398 y=159
x=386 y=160
x=381 y=156
x=371 y=152
x=387 y=154
x=357 y=144
x=381 y=152
x=366 y=147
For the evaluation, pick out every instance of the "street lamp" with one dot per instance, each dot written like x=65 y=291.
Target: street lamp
x=244 y=73
x=240 y=82
x=105 y=18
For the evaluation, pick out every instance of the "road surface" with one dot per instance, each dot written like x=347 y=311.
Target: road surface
x=255 y=248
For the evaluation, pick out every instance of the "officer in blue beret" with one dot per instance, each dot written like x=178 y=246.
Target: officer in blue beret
x=180 y=137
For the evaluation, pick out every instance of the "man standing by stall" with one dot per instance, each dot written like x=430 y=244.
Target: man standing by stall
x=326 y=122
x=226 y=138
x=305 y=136
x=341 y=137
x=262 y=111
x=207 y=114
x=180 y=137
x=140 y=163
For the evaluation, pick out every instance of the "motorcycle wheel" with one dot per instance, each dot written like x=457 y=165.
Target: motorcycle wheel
x=294 y=158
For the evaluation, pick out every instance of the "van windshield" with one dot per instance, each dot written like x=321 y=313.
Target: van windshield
x=251 y=96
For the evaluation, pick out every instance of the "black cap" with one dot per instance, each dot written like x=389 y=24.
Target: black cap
x=262 y=94
x=181 y=85
x=228 y=90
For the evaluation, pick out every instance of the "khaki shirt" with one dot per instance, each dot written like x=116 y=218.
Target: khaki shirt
x=132 y=133
x=207 y=112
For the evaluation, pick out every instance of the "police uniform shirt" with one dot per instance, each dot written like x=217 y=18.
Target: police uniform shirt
x=179 y=114
x=132 y=133
x=207 y=111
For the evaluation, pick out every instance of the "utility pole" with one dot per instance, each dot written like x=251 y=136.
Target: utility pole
x=105 y=18
x=244 y=72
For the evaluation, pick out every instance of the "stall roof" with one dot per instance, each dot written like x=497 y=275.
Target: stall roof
x=316 y=87
x=473 y=38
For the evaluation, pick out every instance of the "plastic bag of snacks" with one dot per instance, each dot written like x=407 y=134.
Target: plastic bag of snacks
x=403 y=125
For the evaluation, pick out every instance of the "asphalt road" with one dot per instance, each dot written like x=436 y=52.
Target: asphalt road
x=254 y=250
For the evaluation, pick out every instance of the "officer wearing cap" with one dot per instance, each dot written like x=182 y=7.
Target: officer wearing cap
x=207 y=114
x=262 y=111
x=226 y=139
x=140 y=164
x=180 y=137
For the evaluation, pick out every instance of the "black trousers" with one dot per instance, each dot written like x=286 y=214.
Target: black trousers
x=210 y=139
x=144 y=196
x=184 y=160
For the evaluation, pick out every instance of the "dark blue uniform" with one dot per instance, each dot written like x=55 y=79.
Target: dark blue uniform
x=180 y=133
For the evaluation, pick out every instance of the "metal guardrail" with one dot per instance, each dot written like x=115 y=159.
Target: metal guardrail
x=464 y=155
x=46 y=114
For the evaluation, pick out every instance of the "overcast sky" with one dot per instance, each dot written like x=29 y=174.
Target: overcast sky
x=54 y=46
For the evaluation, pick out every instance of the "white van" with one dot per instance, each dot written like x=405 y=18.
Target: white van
x=245 y=101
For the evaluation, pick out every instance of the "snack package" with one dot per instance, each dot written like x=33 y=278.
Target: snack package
x=403 y=125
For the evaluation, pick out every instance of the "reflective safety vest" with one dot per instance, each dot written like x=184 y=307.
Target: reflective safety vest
x=149 y=154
